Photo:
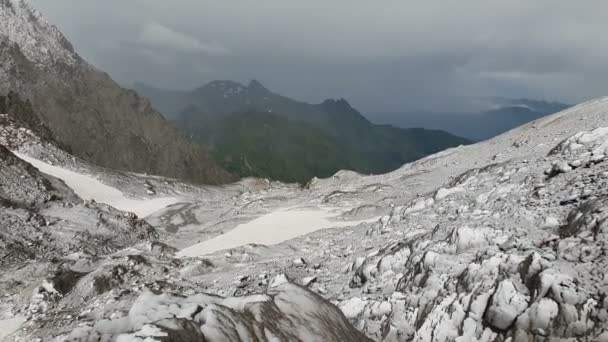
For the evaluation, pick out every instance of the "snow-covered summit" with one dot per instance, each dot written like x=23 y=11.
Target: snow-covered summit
x=40 y=41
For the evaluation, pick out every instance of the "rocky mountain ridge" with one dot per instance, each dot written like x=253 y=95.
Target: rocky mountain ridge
x=40 y=41
x=86 y=111
x=253 y=131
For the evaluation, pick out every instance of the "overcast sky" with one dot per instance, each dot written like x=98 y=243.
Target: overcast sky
x=387 y=55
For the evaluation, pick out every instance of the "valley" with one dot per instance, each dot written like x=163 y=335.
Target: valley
x=254 y=132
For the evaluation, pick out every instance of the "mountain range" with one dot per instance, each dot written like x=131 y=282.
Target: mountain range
x=94 y=118
x=501 y=240
x=499 y=115
x=85 y=110
x=253 y=131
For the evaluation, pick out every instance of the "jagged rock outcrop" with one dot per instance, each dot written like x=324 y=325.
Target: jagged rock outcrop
x=498 y=265
x=286 y=312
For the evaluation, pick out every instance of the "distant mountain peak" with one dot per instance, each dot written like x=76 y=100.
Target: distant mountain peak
x=219 y=88
x=228 y=88
x=542 y=106
x=337 y=104
x=256 y=85
x=223 y=84
x=40 y=41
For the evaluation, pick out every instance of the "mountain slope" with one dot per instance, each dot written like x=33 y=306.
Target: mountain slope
x=85 y=109
x=227 y=116
x=381 y=148
x=267 y=145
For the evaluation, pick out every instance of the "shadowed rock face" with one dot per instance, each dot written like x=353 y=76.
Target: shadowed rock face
x=23 y=114
x=23 y=186
x=86 y=110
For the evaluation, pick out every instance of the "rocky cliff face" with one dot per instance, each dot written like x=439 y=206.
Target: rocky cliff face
x=85 y=109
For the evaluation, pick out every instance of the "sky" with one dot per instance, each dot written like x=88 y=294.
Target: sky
x=382 y=56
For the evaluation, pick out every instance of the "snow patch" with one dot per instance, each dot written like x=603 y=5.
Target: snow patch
x=271 y=229
x=10 y=325
x=89 y=188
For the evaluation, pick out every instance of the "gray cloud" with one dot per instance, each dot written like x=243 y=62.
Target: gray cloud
x=159 y=37
x=382 y=56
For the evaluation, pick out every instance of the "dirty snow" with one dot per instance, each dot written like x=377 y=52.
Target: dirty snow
x=89 y=188
x=10 y=325
x=273 y=228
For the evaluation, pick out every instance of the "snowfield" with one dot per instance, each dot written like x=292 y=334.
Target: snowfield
x=273 y=228
x=89 y=188
x=9 y=326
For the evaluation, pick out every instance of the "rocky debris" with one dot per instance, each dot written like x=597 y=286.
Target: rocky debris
x=149 y=188
x=594 y=141
x=309 y=280
x=502 y=253
x=299 y=262
x=476 y=276
x=43 y=218
x=443 y=192
x=507 y=303
x=159 y=248
x=202 y=317
x=559 y=167
x=21 y=185
x=590 y=219
x=278 y=280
